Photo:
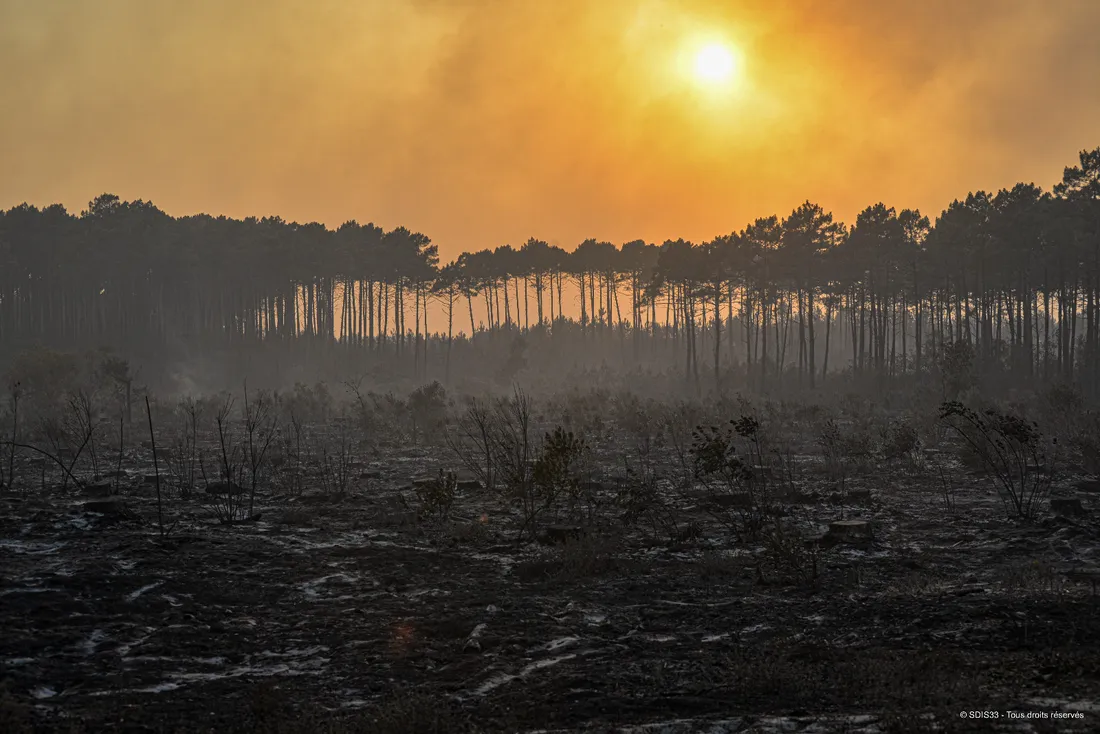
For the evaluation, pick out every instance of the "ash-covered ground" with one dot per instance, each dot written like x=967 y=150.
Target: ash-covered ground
x=888 y=593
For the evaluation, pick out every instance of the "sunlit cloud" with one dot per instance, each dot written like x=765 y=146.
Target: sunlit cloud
x=481 y=123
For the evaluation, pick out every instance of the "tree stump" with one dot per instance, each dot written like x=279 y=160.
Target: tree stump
x=473 y=641
x=105 y=507
x=561 y=534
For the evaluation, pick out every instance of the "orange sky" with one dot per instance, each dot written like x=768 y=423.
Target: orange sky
x=486 y=122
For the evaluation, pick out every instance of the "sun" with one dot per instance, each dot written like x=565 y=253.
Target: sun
x=715 y=63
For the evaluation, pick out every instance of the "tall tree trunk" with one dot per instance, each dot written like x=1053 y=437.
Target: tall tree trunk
x=717 y=336
x=450 y=333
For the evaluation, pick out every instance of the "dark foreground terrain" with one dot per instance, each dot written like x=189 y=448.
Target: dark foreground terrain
x=350 y=614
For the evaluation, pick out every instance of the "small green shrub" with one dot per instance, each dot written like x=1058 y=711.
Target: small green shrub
x=436 y=497
x=557 y=468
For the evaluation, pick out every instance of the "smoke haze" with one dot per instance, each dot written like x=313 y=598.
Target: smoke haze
x=481 y=123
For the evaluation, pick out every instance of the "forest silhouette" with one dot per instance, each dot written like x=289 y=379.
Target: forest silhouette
x=1015 y=276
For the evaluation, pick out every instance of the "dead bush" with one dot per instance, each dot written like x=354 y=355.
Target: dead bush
x=469 y=440
x=1011 y=450
x=722 y=472
x=496 y=442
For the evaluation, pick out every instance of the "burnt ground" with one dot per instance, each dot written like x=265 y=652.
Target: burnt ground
x=347 y=614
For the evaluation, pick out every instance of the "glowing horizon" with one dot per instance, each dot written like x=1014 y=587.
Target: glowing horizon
x=563 y=121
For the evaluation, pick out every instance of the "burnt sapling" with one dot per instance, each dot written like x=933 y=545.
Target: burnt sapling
x=156 y=466
x=225 y=496
x=470 y=442
x=337 y=464
x=183 y=461
x=261 y=421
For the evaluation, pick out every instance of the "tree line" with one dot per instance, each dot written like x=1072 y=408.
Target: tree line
x=1014 y=275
